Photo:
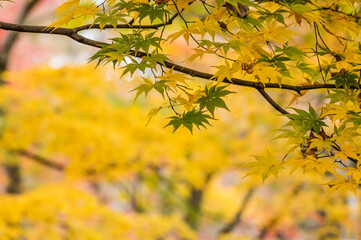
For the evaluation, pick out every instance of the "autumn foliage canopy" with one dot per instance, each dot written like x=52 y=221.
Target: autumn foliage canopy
x=258 y=45
x=303 y=58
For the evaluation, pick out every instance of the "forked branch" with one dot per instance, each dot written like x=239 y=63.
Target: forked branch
x=73 y=34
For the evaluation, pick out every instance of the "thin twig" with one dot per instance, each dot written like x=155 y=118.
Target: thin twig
x=318 y=57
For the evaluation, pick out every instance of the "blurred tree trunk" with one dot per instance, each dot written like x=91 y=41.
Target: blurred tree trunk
x=13 y=173
x=194 y=202
x=13 y=170
x=194 y=207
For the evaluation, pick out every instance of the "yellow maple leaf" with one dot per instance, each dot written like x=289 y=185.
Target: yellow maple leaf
x=277 y=33
x=68 y=5
x=341 y=185
x=172 y=37
x=224 y=72
x=266 y=165
x=182 y=101
x=347 y=150
x=114 y=56
x=63 y=20
x=152 y=113
x=174 y=78
x=354 y=172
x=319 y=143
x=264 y=72
x=340 y=111
x=87 y=10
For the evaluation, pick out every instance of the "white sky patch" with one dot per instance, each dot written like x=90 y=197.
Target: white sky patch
x=99 y=1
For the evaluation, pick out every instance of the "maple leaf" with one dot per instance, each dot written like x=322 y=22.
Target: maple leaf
x=90 y=10
x=199 y=53
x=347 y=150
x=188 y=119
x=65 y=19
x=188 y=105
x=113 y=19
x=265 y=165
x=355 y=173
x=143 y=88
x=213 y=98
x=307 y=120
x=224 y=72
x=152 y=113
x=341 y=185
x=173 y=79
x=320 y=143
x=278 y=33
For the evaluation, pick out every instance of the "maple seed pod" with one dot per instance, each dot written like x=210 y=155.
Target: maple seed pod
x=248 y=67
x=343 y=71
x=241 y=11
x=223 y=26
x=338 y=57
x=323 y=134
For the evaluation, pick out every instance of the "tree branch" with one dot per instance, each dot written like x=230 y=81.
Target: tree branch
x=72 y=33
x=271 y=101
x=237 y=218
x=39 y=159
x=69 y=32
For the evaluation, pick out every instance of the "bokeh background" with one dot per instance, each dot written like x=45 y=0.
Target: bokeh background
x=79 y=162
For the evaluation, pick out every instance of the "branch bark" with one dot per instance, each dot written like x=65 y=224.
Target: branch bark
x=73 y=34
x=271 y=101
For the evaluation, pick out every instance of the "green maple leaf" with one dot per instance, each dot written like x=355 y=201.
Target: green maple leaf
x=213 y=98
x=189 y=119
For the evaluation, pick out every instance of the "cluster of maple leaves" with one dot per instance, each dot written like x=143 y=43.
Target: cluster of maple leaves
x=292 y=46
x=258 y=45
x=297 y=46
